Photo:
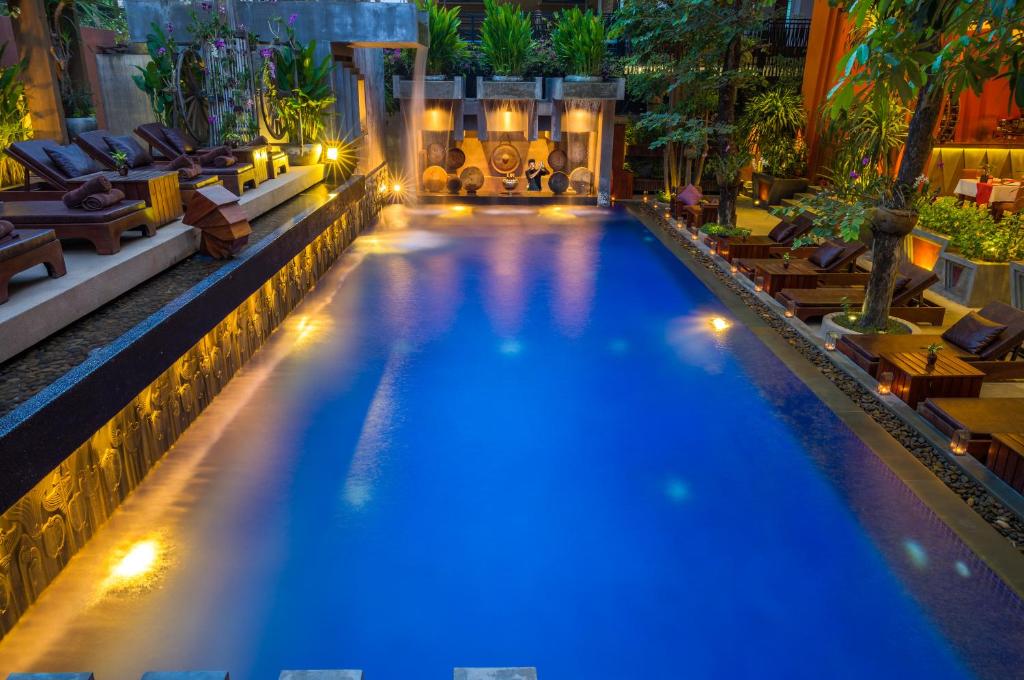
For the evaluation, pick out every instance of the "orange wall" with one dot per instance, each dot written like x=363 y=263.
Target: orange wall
x=979 y=114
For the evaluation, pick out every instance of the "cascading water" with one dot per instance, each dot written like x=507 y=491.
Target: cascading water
x=414 y=125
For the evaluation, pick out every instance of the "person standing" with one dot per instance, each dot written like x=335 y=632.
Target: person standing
x=533 y=175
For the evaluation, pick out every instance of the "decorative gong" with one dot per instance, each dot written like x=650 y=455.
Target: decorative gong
x=456 y=159
x=582 y=180
x=434 y=179
x=558 y=183
x=505 y=158
x=557 y=160
x=436 y=154
x=472 y=179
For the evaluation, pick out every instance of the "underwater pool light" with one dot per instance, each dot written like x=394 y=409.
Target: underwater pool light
x=718 y=324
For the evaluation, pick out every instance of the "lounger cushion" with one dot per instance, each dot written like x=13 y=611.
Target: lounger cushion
x=233 y=170
x=901 y=283
x=690 y=195
x=973 y=333
x=126 y=144
x=782 y=232
x=177 y=141
x=71 y=160
x=826 y=255
x=55 y=212
x=23 y=241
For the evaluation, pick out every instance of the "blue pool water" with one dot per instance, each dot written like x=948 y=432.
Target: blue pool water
x=504 y=438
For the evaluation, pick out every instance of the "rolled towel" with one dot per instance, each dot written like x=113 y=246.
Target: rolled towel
x=6 y=229
x=210 y=155
x=103 y=200
x=96 y=185
x=190 y=172
x=224 y=161
x=180 y=163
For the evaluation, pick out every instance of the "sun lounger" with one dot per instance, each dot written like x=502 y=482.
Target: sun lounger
x=103 y=228
x=782 y=235
x=866 y=350
x=236 y=178
x=830 y=256
x=156 y=188
x=94 y=144
x=907 y=301
x=981 y=417
x=25 y=248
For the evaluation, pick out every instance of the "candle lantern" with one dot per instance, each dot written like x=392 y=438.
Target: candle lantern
x=758 y=284
x=831 y=340
x=885 y=382
x=958 y=444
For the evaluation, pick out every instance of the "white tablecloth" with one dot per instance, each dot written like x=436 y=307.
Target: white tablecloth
x=1000 y=192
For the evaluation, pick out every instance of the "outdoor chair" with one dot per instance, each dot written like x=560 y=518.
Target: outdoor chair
x=171 y=143
x=23 y=249
x=981 y=417
x=782 y=235
x=866 y=350
x=102 y=228
x=830 y=256
x=907 y=300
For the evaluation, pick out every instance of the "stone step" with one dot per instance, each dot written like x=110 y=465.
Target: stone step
x=321 y=675
x=521 y=673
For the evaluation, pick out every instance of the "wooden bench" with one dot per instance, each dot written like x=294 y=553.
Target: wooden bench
x=26 y=248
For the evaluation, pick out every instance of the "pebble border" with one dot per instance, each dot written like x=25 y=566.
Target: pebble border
x=974 y=494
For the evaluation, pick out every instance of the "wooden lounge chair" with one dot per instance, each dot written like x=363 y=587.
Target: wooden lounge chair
x=158 y=189
x=844 y=260
x=866 y=350
x=782 y=235
x=25 y=248
x=981 y=417
x=236 y=177
x=102 y=228
x=907 y=301
x=93 y=143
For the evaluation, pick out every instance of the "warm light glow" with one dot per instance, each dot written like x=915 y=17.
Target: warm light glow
x=719 y=324
x=578 y=120
x=332 y=154
x=396 y=187
x=436 y=120
x=758 y=284
x=137 y=562
x=831 y=340
x=733 y=269
x=958 y=445
x=460 y=208
x=885 y=382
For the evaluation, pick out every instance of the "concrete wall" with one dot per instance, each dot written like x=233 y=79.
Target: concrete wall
x=125 y=105
x=91 y=44
x=370 y=63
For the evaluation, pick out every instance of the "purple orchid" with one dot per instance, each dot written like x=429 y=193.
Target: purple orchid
x=205 y=6
x=211 y=119
x=864 y=161
x=266 y=52
x=854 y=174
x=170 y=27
x=162 y=51
x=219 y=43
x=292 y=18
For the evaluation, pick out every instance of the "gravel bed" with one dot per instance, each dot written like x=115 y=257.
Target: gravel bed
x=975 y=495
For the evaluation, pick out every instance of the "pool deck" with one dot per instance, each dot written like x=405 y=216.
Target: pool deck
x=997 y=552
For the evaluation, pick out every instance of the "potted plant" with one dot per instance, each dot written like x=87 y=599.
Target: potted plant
x=120 y=162
x=300 y=92
x=506 y=39
x=447 y=48
x=579 y=41
x=975 y=268
x=79 y=112
x=721 y=234
x=848 y=322
x=933 y=350
x=773 y=122
x=985 y=168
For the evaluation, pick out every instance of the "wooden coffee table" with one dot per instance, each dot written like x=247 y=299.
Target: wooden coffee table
x=914 y=381
x=1006 y=458
x=158 y=188
x=799 y=274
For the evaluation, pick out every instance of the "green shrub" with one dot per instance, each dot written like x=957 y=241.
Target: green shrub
x=506 y=37
x=773 y=121
x=715 y=229
x=446 y=48
x=14 y=125
x=982 y=238
x=579 y=41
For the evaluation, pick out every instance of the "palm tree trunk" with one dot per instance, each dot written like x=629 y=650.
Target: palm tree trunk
x=885 y=247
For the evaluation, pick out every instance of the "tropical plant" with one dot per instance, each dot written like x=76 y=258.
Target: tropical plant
x=157 y=78
x=691 y=59
x=506 y=37
x=299 y=86
x=14 y=120
x=715 y=229
x=579 y=41
x=773 y=121
x=446 y=47
x=120 y=159
x=980 y=237
x=920 y=53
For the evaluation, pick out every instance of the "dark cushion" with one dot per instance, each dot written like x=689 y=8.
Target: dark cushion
x=783 y=232
x=177 y=141
x=974 y=333
x=23 y=241
x=826 y=255
x=71 y=160
x=126 y=144
x=55 y=213
x=690 y=195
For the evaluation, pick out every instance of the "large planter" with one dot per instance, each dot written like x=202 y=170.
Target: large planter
x=894 y=222
x=509 y=89
x=434 y=87
x=770 y=190
x=77 y=126
x=1017 y=284
x=306 y=154
x=924 y=247
x=972 y=282
x=828 y=325
x=586 y=87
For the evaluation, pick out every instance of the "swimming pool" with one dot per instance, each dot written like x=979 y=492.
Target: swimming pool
x=512 y=437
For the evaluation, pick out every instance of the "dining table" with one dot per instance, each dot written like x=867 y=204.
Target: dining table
x=993 y=191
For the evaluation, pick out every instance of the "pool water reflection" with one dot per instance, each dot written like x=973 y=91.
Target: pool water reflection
x=503 y=439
